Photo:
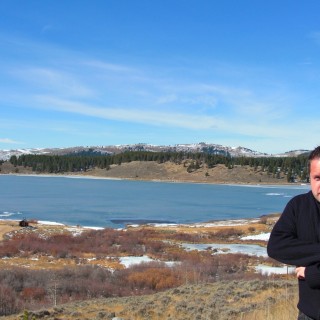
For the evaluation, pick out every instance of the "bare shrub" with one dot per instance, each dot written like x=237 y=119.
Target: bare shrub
x=228 y=232
x=8 y=249
x=263 y=220
x=9 y=303
x=153 y=277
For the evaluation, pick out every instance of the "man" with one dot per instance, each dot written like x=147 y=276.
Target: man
x=295 y=240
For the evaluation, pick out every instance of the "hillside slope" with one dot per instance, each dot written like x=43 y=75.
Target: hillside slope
x=252 y=299
x=172 y=172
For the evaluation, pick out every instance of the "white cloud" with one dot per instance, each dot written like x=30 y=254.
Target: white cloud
x=231 y=102
x=166 y=99
x=252 y=127
x=105 y=66
x=135 y=115
x=53 y=80
x=9 y=141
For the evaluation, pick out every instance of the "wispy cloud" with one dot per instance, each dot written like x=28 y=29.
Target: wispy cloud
x=46 y=28
x=253 y=126
x=315 y=36
x=134 y=115
x=75 y=84
x=212 y=106
x=9 y=141
x=52 y=80
x=107 y=66
x=166 y=99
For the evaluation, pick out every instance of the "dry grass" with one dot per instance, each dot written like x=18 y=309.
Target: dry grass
x=243 y=300
x=255 y=225
x=169 y=171
x=38 y=261
x=7 y=226
x=204 y=234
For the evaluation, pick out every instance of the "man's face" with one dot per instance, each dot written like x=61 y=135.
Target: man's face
x=315 y=178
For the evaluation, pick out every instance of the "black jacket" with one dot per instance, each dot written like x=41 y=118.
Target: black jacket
x=295 y=240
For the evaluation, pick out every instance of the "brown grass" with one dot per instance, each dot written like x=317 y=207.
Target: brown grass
x=200 y=234
x=172 y=172
x=236 y=299
x=8 y=226
x=243 y=300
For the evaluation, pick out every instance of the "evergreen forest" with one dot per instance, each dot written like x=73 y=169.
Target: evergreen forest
x=293 y=167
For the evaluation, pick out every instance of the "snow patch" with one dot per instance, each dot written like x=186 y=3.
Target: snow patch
x=261 y=236
x=268 y=270
x=218 y=248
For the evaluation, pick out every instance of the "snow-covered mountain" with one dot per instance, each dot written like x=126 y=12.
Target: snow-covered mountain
x=193 y=147
x=6 y=154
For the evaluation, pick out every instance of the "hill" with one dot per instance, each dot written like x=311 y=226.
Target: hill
x=204 y=163
x=209 y=148
x=66 y=272
x=171 y=172
x=240 y=299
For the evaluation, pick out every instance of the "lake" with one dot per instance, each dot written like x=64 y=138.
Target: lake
x=113 y=203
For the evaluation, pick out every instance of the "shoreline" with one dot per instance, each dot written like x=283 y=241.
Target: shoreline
x=7 y=216
x=206 y=224
x=95 y=177
x=256 y=233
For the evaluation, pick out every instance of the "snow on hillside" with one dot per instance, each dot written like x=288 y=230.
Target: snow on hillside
x=7 y=154
x=192 y=147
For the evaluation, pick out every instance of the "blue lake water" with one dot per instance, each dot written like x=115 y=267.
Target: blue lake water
x=113 y=203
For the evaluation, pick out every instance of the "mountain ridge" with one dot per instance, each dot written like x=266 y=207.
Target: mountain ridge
x=210 y=148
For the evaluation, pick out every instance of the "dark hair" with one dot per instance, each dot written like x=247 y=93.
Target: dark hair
x=314 y=154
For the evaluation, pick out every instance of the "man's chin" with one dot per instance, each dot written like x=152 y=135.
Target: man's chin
x=316 y=196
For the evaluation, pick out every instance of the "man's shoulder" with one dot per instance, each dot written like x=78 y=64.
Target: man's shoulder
x=302 y=198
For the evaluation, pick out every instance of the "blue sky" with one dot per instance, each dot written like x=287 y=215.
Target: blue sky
x=104 y=72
